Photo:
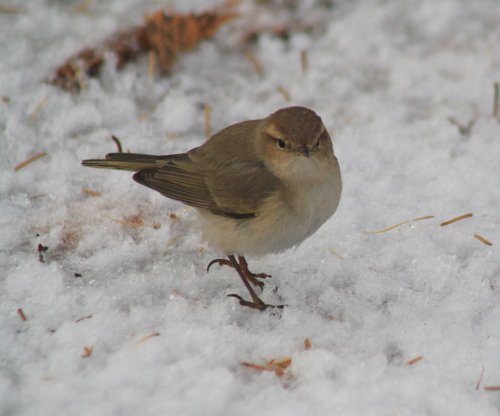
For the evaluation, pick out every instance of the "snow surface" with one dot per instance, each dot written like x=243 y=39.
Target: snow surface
x=385 y=76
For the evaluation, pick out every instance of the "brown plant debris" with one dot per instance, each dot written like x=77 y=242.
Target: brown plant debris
x=151 y=66
x=304 y=61
x=483 y=240
x=12 y=9
x=147 y=337
x=83 y=318
x=165 y=34
x=278 y=366
x=118 y=143
x=87 y=352
x=284 y=92
x=459 y=218
x=22 y=315
x=41 y=249
x=257 y=66
x=70 y=237
x=496 y=99
x=135 y=221
x=38 y=109
x=414 y=360
x=207 y=112
x=307 y=344
x=392 y=227
x=463 y=129
x=282 y=31
x=21 y=165
x=83 y=7
x=491 y=388
x=480 y=379
x=335 y=253
x=90 y=192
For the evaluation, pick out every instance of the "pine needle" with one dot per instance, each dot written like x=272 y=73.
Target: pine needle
x=459 y=218
x=30 y=160
x=284 y=92
x=144 y=339
x=392 y=227
x=257 y=66
x=483 y=240
x=207 y=113
x=304 y=61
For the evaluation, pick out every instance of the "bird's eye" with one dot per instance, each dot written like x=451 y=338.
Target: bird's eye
x=280 y=143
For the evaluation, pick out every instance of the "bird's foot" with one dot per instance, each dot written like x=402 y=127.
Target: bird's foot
x=255 y=304
x=252 y=277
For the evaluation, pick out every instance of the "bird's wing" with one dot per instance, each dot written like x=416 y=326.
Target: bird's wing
x=178 y=179
x=233 y=189
x=240 y=188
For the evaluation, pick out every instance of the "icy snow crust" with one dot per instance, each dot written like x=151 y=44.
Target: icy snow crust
x=384 y=76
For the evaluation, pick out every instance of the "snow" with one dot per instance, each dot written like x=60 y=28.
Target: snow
x=385 y=76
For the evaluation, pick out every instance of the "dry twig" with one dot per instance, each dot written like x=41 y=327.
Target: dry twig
x=22 y=315
x=278 y=366
x=90 y=192
x=83 y=318
x=491 y=388
x=415 y=360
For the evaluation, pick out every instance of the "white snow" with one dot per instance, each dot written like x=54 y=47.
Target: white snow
x=385 y=76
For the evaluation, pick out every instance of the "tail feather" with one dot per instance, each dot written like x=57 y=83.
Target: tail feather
x=127 y=161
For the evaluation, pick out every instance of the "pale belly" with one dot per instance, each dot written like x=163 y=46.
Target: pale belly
x=281 y=224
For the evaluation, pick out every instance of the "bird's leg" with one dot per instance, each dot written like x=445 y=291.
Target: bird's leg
x=256 y=302
x=252 y=277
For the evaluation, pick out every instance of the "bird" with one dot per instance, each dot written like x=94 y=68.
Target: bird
x=260 y=187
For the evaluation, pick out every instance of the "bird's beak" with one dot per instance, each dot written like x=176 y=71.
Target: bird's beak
x=304 y=151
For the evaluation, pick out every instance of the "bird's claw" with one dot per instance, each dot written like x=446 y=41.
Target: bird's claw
x=256 y=304
x=220 y=262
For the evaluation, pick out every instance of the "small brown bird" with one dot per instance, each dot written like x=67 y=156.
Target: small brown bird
x=260 y=186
